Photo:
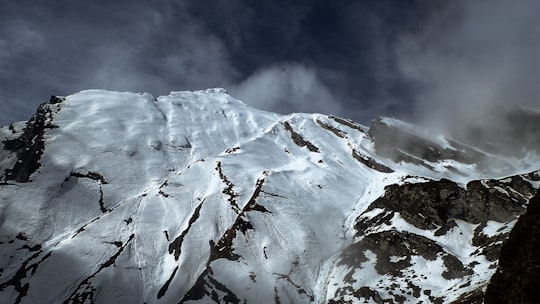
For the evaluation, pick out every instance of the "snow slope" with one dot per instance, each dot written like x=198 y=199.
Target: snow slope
x=197 y=197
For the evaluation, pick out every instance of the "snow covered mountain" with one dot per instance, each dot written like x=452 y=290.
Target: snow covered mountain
x=195 y=197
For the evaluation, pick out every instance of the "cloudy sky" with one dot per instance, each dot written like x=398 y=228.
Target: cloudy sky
x=420 y=60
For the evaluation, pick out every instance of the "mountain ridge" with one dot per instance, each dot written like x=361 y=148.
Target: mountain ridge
x=240 y=205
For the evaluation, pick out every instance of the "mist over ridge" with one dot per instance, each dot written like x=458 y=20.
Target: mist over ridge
x=443 y=64
x=476 y=65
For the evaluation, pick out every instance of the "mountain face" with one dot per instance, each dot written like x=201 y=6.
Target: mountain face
x=110 y=197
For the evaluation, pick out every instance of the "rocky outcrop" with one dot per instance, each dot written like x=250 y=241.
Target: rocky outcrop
x=437 y=204
x=419 y=224
x=30 y=145
x=299 y=140
x=517 y=279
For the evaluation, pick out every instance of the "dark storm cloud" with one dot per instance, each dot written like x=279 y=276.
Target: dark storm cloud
x=60 y=47
x=318 y=56
x=357 y=59
x=347 y=44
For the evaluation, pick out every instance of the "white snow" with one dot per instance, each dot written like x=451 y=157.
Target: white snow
x=165 y=159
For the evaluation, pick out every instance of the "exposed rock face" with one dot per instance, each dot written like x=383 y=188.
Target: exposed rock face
x=435 y=204
x=29 y=146
x=414 y=225
x=517 y=279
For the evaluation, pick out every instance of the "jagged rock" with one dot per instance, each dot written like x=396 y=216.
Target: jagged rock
x=436 y=204
x=517 y=279
x=30 y=145
x=299 y=140
x=439 y=211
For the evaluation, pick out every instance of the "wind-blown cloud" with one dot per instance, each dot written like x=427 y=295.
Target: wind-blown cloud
x=471 y=58
x=286 y=88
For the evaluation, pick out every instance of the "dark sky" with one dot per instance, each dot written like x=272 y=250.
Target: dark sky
x=420 y=60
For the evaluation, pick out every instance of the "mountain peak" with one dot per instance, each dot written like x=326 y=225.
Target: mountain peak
x=197 y=197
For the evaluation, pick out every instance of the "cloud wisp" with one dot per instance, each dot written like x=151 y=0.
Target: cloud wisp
x=471 y=59
x=286 y=87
